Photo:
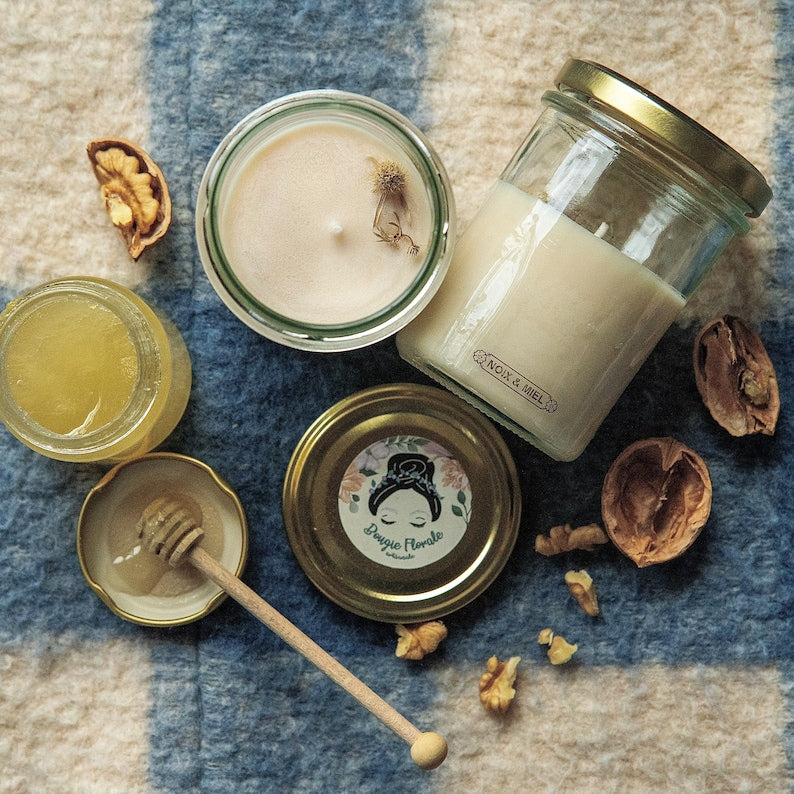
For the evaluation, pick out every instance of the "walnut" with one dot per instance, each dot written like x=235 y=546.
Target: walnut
x=134 y=192
x=496 y=685
x=564 y=538
x=545 y=637
x=560 y=651
x=735 y=377
x=419 y=639
x=655 y=500
x=582 y=588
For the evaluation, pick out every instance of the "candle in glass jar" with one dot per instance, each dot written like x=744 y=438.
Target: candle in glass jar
x=597 y=232
x=520 y=258
x=323 y=219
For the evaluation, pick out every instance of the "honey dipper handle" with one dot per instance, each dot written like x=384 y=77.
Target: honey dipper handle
x=428 y=750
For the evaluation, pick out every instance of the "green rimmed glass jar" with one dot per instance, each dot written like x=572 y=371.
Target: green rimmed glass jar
x=325 y=220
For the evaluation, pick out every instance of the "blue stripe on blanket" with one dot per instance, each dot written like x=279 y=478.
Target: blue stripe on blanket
x=225 y=689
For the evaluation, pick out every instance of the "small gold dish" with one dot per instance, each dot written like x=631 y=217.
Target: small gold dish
x=135 y=584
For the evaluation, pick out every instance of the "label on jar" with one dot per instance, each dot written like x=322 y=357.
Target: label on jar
x=405 y=502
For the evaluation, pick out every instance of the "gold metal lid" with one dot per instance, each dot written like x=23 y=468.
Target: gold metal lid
x=138 y=586
x=402 y=503
x=640 y=107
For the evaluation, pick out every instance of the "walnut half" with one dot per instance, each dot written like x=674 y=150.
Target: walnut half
x=735 y=377
x=655 y=500
x=416 y=640
x=496 y=684
x=134 y=192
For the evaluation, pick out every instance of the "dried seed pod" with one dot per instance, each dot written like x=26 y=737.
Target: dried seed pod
x=496 y=685
x=416 y=640
x=735 y=377
x=134 y=192
x=655 y=500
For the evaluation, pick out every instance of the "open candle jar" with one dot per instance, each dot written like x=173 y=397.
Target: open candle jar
x=324 y=220
x=89 y=372
x=583 y=254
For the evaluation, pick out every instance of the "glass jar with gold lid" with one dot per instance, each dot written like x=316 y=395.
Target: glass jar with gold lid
x=585 y=251
x=89 y=372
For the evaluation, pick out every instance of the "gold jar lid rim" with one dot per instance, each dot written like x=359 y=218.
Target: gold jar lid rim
x=668 y=124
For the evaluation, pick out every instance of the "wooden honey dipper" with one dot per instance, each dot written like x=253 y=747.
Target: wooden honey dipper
x=169 y=530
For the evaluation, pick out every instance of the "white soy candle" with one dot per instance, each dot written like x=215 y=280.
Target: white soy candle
x=581 y=257
x=323 y=221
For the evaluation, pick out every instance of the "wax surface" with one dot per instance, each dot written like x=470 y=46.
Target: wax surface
x=296 y=225
x=541 y=319
x=71 y=365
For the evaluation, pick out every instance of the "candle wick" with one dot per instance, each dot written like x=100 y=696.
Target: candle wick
x=336 y=228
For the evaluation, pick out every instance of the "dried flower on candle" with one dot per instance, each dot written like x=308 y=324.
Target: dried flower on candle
x=496 y=685
x=564 y=538
x=393 y=238
x=735 y=377
x=134 y=192
x=655 y=500
x=582 y=588
x=389 y=181
x=416 y=640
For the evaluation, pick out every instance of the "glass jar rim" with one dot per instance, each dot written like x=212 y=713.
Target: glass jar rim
x=647 y=113
x=139 y=322
x=279 y=114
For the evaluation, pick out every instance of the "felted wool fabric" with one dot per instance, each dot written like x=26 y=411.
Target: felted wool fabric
x=681 y=684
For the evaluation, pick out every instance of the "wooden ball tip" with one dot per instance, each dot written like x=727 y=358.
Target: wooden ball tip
x=429 y=751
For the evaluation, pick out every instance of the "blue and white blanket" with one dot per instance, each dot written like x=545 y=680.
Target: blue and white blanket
x=682 y=684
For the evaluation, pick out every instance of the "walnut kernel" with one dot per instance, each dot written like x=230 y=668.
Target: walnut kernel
x=416 y=640
x=655 y=500
x=134 y=192
x=735 y=377
x=560 y=651
x=496 y=685
x=564 y=538
x=582 y=588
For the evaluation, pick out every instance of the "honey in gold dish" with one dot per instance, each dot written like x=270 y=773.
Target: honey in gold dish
x=89 y=372
x=135 y=583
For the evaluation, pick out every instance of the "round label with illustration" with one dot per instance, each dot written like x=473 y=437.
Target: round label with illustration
x=405 y=502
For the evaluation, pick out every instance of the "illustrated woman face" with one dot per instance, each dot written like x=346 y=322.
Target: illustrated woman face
x=404 y=510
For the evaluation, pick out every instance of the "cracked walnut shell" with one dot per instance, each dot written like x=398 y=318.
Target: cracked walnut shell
x=134 y=192
x=416 y=640
x=735 y=377
x=496 y=685
x=655 y=500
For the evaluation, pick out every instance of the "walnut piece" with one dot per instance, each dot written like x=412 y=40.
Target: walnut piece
x=560 y=650
x=134 y=192
x=416 y=640
x=735 y=377
x=655 y=500
x=582 y=588
x=496 y=685
x=564 y=538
